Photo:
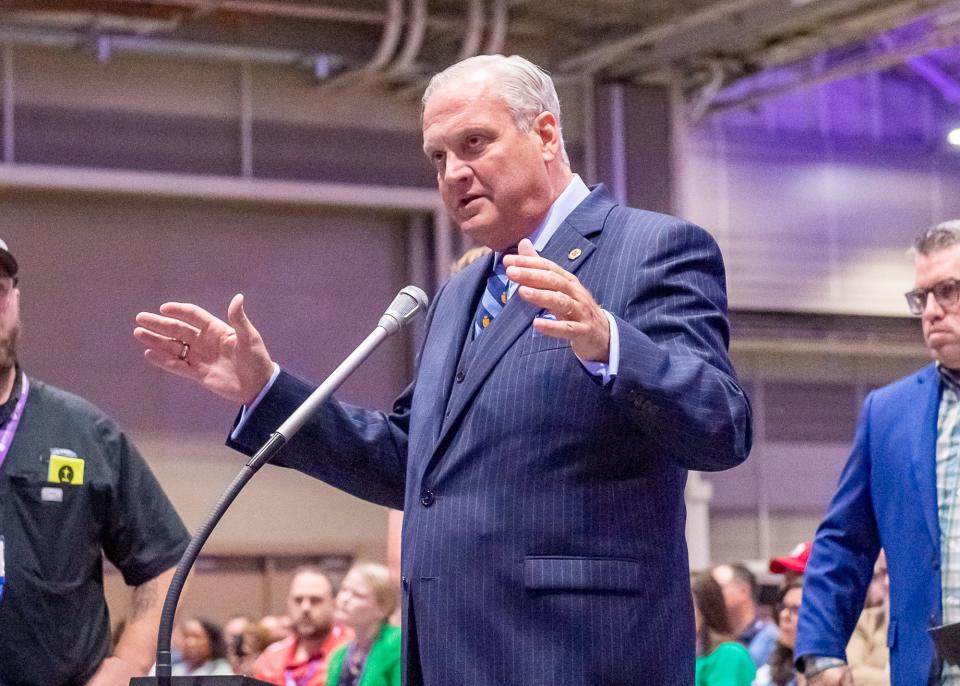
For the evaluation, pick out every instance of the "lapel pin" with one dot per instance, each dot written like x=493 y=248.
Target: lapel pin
x=574 y=254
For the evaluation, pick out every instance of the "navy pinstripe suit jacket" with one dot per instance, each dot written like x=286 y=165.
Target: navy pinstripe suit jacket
x=543 y=538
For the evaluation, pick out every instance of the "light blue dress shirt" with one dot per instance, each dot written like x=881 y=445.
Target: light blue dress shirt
x=574 y=194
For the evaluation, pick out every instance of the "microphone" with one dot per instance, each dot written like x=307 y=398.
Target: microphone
x=405 y=306
x=408 y=303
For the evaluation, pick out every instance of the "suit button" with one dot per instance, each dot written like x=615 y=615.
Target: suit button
x=404 y=582
x=427 y=498
x=460 y=376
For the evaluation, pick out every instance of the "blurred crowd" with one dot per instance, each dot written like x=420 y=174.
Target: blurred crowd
x=741 y=641
x=346 y=637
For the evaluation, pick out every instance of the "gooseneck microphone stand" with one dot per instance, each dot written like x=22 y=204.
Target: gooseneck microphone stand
x=405 y=306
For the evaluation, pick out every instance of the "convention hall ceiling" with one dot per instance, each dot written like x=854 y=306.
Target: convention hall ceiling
x=719 y=52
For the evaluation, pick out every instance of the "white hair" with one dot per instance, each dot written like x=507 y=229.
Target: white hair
x=526 y=89
x=937 y=237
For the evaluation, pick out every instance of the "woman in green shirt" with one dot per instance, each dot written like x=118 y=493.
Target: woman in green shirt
x=721 y=660
x=366 y=599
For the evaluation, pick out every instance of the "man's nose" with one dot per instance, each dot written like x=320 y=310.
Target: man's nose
x=931 y=308
x=455 y=169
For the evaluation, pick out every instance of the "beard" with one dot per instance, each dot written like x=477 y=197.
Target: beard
x=8 y=349
x=308 y=629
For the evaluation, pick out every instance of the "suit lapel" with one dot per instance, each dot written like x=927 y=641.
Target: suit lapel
x=455 y=321
x=569 y=247
x=923 y=451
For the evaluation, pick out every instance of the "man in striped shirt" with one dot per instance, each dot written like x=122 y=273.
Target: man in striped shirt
x=900 y=489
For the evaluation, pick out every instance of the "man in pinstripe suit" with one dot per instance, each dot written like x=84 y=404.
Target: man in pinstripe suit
x=540 y=454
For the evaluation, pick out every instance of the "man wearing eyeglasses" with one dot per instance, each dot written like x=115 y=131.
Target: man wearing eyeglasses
x=899 y=490
x=72 y=489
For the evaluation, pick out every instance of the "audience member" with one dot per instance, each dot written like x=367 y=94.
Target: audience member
x=898 y=491
x=204 y=650
x=867 y=652
x=739 y=586
x=721 y=660
x=793 y=565
x=254 y=640
x=233 y=630
x=468 y=258
x=365 y=602
x=278 y=626
x=73 y=491
x=304 y=656
x=780 y=670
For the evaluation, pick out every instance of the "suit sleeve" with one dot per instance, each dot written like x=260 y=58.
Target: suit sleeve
x=841 y=561
x=675 y=376
x=360 y=451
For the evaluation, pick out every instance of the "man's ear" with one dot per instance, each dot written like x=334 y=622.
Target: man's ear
x=547 y=129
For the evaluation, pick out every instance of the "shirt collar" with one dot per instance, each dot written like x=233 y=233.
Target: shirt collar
x=950 y=377
x=574 y=194
x=330 y=643
x=6 y=410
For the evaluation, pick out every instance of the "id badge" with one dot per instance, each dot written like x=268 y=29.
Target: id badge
x=65 y=467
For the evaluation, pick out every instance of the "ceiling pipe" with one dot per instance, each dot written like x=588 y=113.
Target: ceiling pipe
x=655 y=62
x=494 y=45
x=146 y=45
x=311 y=11
x=597 y=59
x=942 y=38
x=700 y=103
x=474 y=31
x=498 y=28
x=933 y=73
x=471 y=42
x=282 y=10
x=405 y=64
x=929 y=71
x=389 y=40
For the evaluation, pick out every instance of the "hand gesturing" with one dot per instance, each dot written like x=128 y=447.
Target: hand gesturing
x=230 y=360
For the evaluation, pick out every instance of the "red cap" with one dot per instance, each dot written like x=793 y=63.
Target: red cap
x=796 y=561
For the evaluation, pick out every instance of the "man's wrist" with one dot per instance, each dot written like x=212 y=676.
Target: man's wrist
x=811 y=665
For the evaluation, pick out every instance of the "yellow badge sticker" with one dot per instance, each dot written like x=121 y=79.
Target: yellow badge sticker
x=65 y=470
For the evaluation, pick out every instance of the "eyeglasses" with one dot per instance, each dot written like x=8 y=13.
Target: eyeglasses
x=792 y=609
x=946 y=293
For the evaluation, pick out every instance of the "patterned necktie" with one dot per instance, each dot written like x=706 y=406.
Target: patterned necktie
x=494 y=297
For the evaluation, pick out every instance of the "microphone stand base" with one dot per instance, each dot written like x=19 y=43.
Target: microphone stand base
x=199 y=681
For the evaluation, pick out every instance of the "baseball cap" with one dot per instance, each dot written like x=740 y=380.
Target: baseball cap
x=796 y=561
x=7 y=260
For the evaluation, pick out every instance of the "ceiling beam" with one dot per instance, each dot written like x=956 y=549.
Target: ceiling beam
x=943 y=37
x=597 y=59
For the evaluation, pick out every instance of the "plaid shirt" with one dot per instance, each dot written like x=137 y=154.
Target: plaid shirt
x=948 y=506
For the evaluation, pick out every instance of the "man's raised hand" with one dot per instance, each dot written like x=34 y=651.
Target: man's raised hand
x=579 y=318
x=229 y=359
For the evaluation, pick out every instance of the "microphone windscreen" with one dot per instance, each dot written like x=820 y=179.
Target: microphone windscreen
x=410 y=301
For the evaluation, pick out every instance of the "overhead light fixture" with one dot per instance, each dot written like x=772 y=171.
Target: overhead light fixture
x=953 y=137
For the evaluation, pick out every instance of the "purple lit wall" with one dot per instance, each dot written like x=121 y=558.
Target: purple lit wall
x=845 y=174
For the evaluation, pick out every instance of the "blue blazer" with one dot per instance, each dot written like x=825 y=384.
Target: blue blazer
x=887 y=496
x=543 y=538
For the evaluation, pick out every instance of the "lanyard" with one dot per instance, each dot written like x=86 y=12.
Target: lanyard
x=10 y=428
x=304 y=680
